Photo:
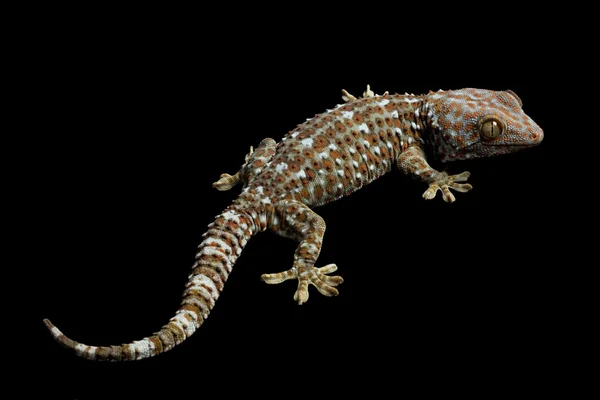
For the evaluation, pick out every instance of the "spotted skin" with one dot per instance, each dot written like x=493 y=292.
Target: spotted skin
x=326 y=158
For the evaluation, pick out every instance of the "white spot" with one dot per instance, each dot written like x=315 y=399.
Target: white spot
x=259 y=190
x=210 y=251
x=366 y=143
x=307 y=142
x=322 y=171
x=372 y=167
x=363 y=128
x=199 y=280
x=411 y=100
x=266 y=200
x=352 y=151
x=301 y=174
x=359 y=176
x=376 y=150
x=230 y=216
x=340 y=186
x=294 y=134
x=142 y=350
x=417 y=172
x=413 y=125
x=189 y=327
x=55 y=331
x=383 y=102
x=332 y=146
x=364 y=156
x=340 y=172
x=218 y=241
x=323 y=155
x=395 y=114
x=348 y=114
x=80 y=348
x=92 y=353
x=263 y=219
x=338 y=161
x=355 y=163
x=410 y=140
x=399 y=131
x=132 y=349
x=338 y=106
x=281 y=167
x=389 y=145
x=417 y=113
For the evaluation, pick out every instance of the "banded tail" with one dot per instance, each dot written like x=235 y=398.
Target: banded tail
x=222 y=245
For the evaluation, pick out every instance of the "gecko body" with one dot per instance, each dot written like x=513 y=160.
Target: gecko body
x=326 y=158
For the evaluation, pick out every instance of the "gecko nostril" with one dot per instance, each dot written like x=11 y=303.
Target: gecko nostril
x=537 y=137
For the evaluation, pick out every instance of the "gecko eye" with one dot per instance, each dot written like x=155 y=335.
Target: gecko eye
x=491 y=127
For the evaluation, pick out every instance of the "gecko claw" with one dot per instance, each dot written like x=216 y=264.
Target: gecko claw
x=446 y=182
x=308 y=276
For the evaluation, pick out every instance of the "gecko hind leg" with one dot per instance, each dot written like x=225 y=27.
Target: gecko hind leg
x=297 y=221
x=253 y=163
x=227 y=181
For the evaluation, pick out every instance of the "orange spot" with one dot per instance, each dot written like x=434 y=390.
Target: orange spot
x=320 y=143
x=318 y=192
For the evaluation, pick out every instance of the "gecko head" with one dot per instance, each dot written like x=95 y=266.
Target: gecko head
x=473 y=123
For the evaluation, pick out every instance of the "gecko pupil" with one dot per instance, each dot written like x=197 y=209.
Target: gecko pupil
x=491 y=128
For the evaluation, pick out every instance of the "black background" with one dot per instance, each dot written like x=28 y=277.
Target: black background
x=138 y=125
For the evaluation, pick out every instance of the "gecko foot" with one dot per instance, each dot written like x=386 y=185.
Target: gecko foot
x=314 y=276
x=228 y=181
x=445 y=182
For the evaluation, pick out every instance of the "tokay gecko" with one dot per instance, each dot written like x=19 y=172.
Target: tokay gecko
x=325 y=158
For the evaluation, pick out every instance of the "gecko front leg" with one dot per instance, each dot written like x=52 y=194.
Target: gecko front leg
x=412 y=161
x=297 y=221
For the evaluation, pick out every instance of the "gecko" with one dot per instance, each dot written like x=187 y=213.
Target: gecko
x=322 y=160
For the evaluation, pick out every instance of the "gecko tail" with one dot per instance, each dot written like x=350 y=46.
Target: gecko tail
x=222 y=245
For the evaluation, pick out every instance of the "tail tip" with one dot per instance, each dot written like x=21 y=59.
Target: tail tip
x=53 y=330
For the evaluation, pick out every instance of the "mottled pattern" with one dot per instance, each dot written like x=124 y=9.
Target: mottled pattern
x=325 y=158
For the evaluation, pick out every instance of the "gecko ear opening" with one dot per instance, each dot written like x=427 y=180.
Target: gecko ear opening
x=513 y=94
